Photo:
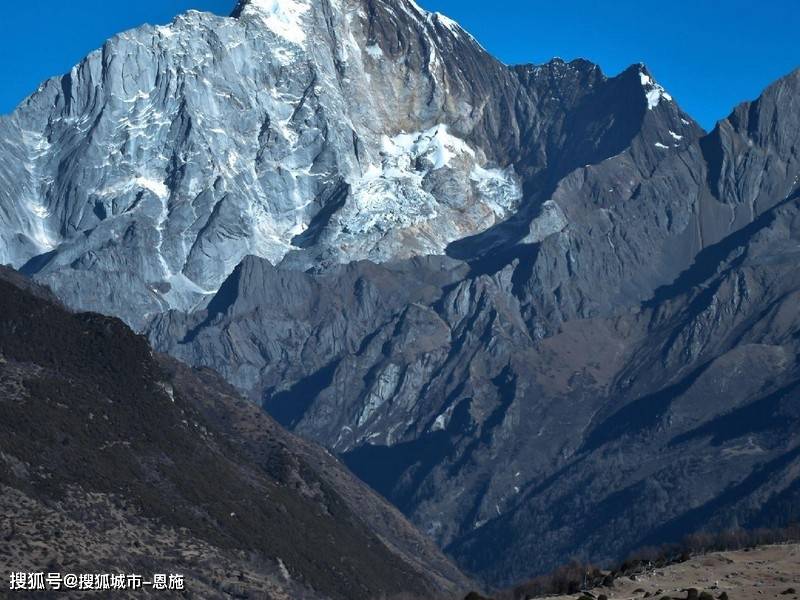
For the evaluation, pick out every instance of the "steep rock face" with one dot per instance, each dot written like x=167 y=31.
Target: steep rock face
x=263 y=194
x=162 y=159
x=310 y=319
x=316 y=132
x=696 y=429
x=752 y=155
x=566 y=395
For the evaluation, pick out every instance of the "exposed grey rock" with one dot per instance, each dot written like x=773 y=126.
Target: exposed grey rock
x=328 y=130
x=139 y=180
x=580 y=393
x=574 y=373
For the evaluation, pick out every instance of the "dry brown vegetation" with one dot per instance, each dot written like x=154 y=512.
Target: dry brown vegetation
x=114 y=459
x=576 y=576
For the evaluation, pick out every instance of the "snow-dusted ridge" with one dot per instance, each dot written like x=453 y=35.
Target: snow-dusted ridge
x=654 y=92
x=282 y=17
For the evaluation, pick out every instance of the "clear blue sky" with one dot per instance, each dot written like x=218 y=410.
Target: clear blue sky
x=710 y=54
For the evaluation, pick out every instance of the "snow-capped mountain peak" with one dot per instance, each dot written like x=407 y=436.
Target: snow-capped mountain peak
x=158 y=163
x=283 y=17
x=654 y=91
x=195 y=144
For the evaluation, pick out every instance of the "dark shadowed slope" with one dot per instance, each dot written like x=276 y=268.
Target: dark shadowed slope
x=117 y=459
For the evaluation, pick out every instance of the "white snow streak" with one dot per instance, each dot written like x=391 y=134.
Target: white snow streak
x=435 y=145
x=439 y=423
x=654 y=91
x=374 y=51
x=454 y=27
x=282 y=17
x=159 y=188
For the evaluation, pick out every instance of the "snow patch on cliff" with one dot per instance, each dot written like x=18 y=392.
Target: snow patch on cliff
x=159 y=188
x=374 y=51
x=454 y=27
x=394 y=193
x=435 y=146
x=282 y=17
x=653 y=91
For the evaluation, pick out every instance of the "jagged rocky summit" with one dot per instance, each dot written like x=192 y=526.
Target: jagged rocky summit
x=543 y=301
x=305 y=132
x=144 y=176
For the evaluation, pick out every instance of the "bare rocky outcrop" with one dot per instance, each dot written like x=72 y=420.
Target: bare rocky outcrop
x=536 y=307
x=584 y=391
